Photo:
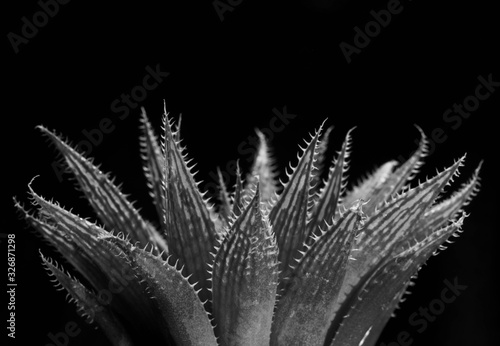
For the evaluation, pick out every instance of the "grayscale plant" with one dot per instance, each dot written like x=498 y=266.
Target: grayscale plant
x=305 y=262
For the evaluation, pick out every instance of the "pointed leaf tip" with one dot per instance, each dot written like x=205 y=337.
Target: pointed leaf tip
x=289 y=214
x=111 y=205
x=308 y=303
x=325 y=207
x=177 y=300
x=245 y=276
x=395 y=181
x=190 y=230
x=264 y=167
x=89 y=305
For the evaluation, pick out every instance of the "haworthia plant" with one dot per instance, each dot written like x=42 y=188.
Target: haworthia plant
x=298 y=263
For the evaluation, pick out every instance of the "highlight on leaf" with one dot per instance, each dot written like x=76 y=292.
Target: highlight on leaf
x=305 y=262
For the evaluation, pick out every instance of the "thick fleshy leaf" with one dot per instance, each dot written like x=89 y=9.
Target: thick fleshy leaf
x=111 y=206
x=225 y=202
x=392 y=228
x=369 y=311
x=245 y=279
x=326 y=206
x=263 y=168
x=289 y=213
x=76 y=239
x=396 y=180
x=440 y=213
x=50 y=233
x=238 y=192
x=89 y=306
x=371 y=183
x=398 y=218
x=190 y=230
x=68 y=232
x=177 y=299
x=304 y=312
x=319 y=163
x=154 y=166
x=336 y=272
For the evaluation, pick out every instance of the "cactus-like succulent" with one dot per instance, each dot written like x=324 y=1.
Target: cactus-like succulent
x=298 y=263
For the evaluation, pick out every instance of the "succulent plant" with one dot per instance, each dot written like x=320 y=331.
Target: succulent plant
x=305 y=262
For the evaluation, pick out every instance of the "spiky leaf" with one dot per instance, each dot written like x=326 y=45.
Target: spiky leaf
x=225 y=202
x=245 y=279
x=238 y=192
x=177 y=299
x=89 y=306
x=395 y=181
x=190 y=231
x=381 y=291
x=319 y=163
x=154 y=166
x=395 y=221
x=440 y=213
x=305 y=311
x=76 y=239
x=263 y=168
x=288 y=215
x=111 y=206
x=324 y=209
x=371 y=183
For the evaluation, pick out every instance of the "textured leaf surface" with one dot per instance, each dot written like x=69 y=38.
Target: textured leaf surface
x=182 y=311
x=225 y=201
x=382 y=291
x=319 y=163
x=373 y=182
x=89 y=306
x=238 y=192
x=245 y=278
x=396 y=180
x=326 y=206
x=263 y=168
x=111 y=206
x=440 y=213
x=394 y=222
x=190 y=231
x=76 y=239
x=288 y=215
x=154 y=166
x=390 y=230
x=307 y=307
x=321 y=275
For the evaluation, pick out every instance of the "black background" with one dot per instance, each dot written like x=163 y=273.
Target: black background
x=225 y=78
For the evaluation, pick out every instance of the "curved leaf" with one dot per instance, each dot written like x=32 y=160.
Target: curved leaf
x=307 y=307
x=190 y=231
x=440 y=213
x=325 y=207
x=225 y=202
x=263 y=167
x=288 y=215
x=89 y=306
x=394 y=223
x=154 y=166
x=373 y=182
x=397 y=180
x=111 y=206
x=238 y=192
x=389 y=231
x=180 y=307
x=76 y=239
x=383 y=290
x=319 y=163
x=245 y=279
